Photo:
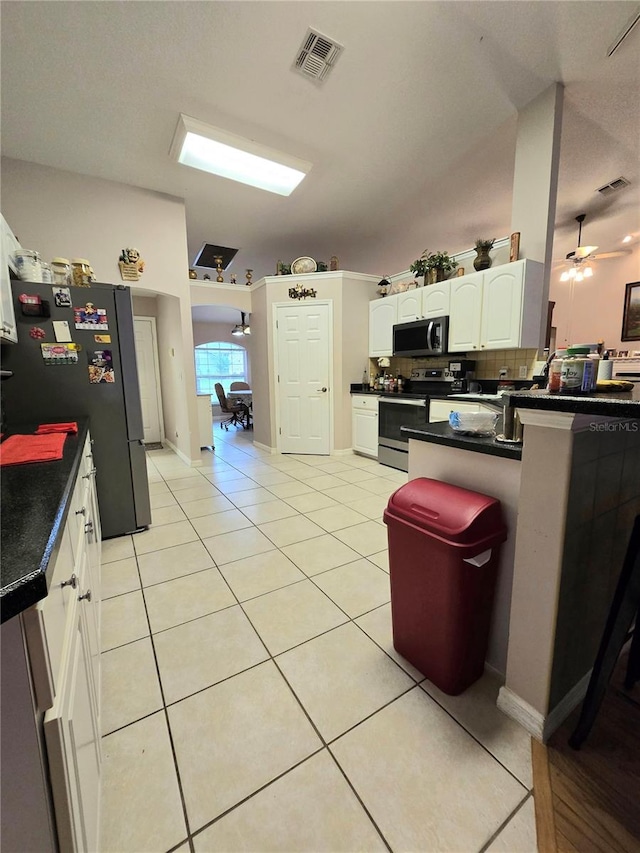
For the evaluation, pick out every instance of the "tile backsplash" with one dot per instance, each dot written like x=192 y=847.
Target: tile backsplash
x=488 y=364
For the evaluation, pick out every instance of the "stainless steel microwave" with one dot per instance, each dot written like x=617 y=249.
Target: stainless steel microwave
x=421 y=338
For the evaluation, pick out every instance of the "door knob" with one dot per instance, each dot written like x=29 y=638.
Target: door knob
x=324 y=390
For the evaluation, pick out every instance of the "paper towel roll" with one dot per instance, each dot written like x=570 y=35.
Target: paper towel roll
x=605 y=369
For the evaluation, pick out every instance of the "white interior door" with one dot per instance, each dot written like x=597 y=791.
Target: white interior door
x=149 y=378
x=303 y=351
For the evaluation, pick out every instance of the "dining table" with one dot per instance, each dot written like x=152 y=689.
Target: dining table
x=243 y=396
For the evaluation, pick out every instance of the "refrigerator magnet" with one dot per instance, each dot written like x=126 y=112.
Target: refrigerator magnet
x=61 y=331
x=37 y=333
x=90 y=317
x=102 y=339
x=100 y=366
x=54 y=354
x=62 y=297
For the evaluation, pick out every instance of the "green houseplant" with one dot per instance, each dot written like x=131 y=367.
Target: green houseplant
x=434 y=266
x=482 y=261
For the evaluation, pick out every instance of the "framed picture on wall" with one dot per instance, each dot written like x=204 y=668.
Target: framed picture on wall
x=631 y=314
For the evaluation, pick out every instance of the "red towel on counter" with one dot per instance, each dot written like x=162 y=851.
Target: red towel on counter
x=43 y=429
x=20 y=449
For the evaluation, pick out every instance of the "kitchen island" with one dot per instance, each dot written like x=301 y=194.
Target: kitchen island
x=570 y=503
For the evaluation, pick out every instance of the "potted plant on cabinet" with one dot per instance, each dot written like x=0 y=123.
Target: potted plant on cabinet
x=482 y=261
x=434 y=266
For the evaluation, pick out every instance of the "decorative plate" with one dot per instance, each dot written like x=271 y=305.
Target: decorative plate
x=302 y=265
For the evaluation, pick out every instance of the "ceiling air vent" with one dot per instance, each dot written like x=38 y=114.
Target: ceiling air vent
x=613 y=187
x=316 y=56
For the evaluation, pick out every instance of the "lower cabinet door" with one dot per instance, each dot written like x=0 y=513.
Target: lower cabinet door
x=73 y=744
x=365 y=432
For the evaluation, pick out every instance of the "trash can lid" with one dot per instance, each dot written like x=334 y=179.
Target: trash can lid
x=448 y=512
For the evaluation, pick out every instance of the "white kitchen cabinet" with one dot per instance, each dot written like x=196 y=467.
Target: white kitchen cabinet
x=383 y=315
x=436 y=300
x=62 y=634
x=409 y=305
x=205 y=420
x=8 y=244
x=500 y=308
x=466 y=310
x=364 y=422
x=72 y=730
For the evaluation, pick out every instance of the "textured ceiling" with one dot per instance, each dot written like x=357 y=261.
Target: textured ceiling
x=412 y=136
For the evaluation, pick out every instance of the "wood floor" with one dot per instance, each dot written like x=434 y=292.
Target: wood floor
x=589 y=800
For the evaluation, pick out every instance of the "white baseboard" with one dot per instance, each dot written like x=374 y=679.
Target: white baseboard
x=347 y=452
x=533 y=721
x=183 y=456
x=265 y=447
x=520 y=711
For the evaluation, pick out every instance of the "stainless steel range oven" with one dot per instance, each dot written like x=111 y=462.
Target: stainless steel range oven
x=410 y=409
x=394 y=412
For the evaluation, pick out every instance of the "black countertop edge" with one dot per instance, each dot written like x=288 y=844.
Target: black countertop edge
x=35 y=504
x=441 y=433
x=618 y=405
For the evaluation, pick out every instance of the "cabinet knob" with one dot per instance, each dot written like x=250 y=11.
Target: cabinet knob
x=82 y=511
x=72 y=582
x=89 y=475
x=88 y=528
x=86 y=596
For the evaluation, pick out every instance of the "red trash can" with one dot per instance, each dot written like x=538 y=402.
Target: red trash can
x=444 y=545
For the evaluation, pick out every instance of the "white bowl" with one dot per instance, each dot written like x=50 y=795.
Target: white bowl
x=474 y=423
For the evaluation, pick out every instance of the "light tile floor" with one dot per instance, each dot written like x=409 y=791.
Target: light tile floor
x=252 y=698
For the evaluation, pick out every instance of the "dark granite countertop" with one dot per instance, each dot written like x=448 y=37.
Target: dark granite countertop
x=34 y=502
x=441 y=433
x=614 y=405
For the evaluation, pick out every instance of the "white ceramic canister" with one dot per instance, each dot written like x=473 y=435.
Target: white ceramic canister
x=28 y=265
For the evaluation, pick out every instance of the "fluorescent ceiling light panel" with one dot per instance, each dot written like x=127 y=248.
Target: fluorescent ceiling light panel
x=213 y=150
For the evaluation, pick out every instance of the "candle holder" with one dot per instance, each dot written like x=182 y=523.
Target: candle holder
x=249 y=274
x=218 y=260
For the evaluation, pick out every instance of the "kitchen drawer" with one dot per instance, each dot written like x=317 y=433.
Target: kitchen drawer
x=45 y=624
x=362 y=401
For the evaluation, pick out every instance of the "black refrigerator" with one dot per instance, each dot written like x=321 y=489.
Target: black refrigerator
x=76 y=357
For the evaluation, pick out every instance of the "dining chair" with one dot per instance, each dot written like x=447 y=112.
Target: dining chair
x=238 y=412
x=240 y=386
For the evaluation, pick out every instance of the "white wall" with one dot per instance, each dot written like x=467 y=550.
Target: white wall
x=595 y=312
x=64 y=214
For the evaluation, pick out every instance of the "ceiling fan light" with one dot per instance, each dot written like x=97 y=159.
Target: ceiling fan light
x=579 y=276
x=565 y=276
x=588 y=272
x=572 y=272
x=237 y=331
x=247 y=330
x=627 y=239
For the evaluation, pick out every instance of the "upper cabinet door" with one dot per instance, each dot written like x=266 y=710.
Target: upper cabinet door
x=409 y=306
x=466 y=307
x=8 y=244
x=502 y=306
x=382 y=317
x=436 y=299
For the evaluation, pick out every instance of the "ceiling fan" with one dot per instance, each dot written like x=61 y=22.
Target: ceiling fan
x=580 y=259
